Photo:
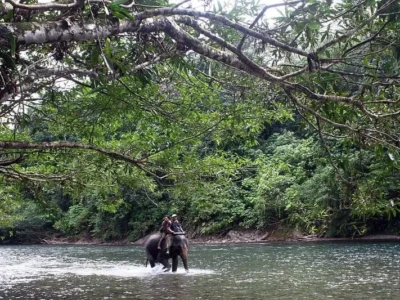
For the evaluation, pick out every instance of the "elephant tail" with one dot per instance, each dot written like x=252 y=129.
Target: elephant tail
x=147 y=261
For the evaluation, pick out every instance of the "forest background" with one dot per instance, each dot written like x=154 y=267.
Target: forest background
x=116 y=113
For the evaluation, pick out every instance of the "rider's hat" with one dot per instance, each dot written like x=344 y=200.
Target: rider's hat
x=174 y=215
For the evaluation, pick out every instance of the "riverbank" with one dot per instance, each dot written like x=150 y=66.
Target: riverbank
x=231 y=237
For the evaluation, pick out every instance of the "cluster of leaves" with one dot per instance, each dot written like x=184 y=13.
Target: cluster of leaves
x=297 y=182
x=287 y=177
x=146 y=127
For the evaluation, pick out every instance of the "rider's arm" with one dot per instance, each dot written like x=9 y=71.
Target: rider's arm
x=168 y=228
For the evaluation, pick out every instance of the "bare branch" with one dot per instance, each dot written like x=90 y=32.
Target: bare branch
x=11 y=173
x=223 y=20
x=349 y=33
x=180 y=3
x=45 y=6
x=339 y=125
x=9 y=162
x=190 y=22
x=367 y=40
x=64 y=72
x=63 y=145
x=260 y=15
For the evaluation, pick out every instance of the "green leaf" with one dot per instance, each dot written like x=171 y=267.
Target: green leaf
x=108 y=48
x=219 y=6
x=122 y=12
x=128 y=15
x=95 y=54
x=13 y=44
x=314 y=26
x=7 y=60
x=9 y=16
x=118 y=15
x=369 y=3
x=308 y=34
x=98 y=89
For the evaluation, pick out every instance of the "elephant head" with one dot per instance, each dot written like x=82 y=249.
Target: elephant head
x=179 y=247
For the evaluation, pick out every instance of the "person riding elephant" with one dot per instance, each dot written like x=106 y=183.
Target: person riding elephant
x=166 y=234
x=175 y=225
x=178 y=247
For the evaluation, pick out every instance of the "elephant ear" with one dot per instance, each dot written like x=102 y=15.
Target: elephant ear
x=180 y=240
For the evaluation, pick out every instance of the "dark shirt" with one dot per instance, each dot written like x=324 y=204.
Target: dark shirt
x=166 y=226
x=176 y=226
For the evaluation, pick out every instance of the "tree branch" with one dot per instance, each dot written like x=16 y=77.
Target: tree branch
x=337 y=171
x=260 y=15
x=349 y=33
x=45 y=6
x=9 y=162
x=70 y=145
x=339 y=125
x=223 y=20
x=367 y=40
x=11 y=173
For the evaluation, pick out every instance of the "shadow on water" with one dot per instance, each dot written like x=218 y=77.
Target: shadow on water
x=337 y=270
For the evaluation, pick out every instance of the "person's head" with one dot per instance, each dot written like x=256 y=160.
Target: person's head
x=174 y=217
x=166 y=218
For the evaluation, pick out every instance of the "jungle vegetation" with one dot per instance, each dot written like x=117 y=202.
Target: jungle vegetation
x=116 y=112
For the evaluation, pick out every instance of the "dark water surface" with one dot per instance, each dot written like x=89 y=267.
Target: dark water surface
x=269 y=271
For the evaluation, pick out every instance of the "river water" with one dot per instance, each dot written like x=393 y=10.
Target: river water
x=268 y=271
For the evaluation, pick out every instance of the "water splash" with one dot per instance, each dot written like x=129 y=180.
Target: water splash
x=158 y=270
x=14 y=270
x=132 y=271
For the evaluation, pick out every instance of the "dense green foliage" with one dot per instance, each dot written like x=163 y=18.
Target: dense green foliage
x=291 y=121
x=287 y=178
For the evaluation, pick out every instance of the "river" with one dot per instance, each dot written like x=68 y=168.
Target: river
x=322 y=270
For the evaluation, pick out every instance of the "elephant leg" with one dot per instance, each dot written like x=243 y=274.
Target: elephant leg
x=163 y=259
x=184 y=256
x=167 y=266
x=174 y=263
x=151 y=260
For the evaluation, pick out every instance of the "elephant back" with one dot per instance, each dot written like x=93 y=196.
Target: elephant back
x=152 y=243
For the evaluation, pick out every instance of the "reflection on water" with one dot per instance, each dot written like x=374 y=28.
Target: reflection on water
x=271 y=271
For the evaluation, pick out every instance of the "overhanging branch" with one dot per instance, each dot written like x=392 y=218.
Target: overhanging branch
x=71 y=145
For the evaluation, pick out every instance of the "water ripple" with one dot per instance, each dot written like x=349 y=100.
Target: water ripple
x=296 y=271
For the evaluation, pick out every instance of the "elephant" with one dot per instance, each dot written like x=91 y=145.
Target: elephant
x=179 y=247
